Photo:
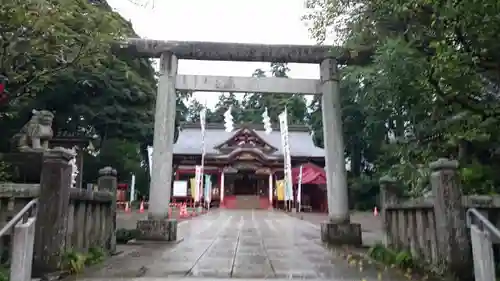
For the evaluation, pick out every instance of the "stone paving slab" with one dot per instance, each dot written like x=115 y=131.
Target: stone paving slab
x=243 y=244
x=138 y=259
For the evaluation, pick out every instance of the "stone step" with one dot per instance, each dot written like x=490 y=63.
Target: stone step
x=246 y=202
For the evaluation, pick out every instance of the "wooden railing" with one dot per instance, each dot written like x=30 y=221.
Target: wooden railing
x=434 y=229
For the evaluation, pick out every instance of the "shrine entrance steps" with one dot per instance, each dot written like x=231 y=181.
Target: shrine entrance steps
x=240 y=244
x=246 y=202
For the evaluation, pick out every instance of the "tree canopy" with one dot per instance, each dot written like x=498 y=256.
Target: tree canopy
x=430 y=89
x=57 y=56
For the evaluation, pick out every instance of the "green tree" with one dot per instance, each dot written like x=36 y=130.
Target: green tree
x=42 y=39
x=429 y=90
x=226 y=100
x=66 y=64
x=193 y=113
x=125 y=157
x=254 y=104
x=58 y=56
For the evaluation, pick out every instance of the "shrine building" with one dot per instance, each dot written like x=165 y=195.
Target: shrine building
x=243 y=165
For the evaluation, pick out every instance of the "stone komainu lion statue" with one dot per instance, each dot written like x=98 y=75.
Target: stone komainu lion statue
x=35 y=135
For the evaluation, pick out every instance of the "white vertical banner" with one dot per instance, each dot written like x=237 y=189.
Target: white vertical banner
x=203 y=117
x=221 y=193
x=198 y=176
x=150 y=158
x=132 y=189
x=283 y=118
x=299 y=188
x=208 y=190
x=203 y=120
x=228 y=120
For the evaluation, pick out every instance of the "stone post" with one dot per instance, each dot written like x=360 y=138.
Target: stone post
x=22 y=250
x=53 y=209
x=108 y=182
x=451 y=231
x=388 y=195
x=157 y=227
x=339 y=229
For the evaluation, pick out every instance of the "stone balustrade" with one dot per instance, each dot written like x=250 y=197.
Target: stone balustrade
x=67 y=219
x=434 y=229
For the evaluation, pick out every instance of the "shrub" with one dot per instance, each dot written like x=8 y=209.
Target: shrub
x=75 y=262
x=387 y=256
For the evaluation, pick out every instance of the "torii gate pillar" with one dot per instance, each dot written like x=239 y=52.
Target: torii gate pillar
x=158 y=227
x=338 y=229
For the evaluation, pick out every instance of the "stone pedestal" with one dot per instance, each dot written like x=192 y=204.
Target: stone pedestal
x=341 y=233
x=157 y=230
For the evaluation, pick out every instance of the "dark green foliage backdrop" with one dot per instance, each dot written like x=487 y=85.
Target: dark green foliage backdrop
x=430 y=89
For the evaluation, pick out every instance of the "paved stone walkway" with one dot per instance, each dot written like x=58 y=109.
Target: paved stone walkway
x=241 y=244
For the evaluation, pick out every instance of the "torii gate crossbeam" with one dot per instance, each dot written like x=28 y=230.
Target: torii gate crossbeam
x=338 y=229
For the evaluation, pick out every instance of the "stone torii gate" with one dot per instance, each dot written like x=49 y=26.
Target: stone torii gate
x=338 y=229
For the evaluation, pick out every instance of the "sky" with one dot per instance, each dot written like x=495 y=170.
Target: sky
x=237 y=21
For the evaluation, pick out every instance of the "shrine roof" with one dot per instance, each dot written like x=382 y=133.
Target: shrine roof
x=189 y=141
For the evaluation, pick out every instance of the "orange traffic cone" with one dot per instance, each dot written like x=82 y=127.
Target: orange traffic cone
x=375 y=211
x=183 y=212
x=127 y=208
x=141 y=208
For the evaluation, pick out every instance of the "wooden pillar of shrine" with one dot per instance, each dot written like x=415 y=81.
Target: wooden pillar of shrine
x=271 y=184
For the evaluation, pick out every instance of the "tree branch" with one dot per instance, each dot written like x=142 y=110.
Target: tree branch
x=50 y=71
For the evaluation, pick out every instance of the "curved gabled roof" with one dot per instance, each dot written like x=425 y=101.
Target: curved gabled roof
x=301 y=143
